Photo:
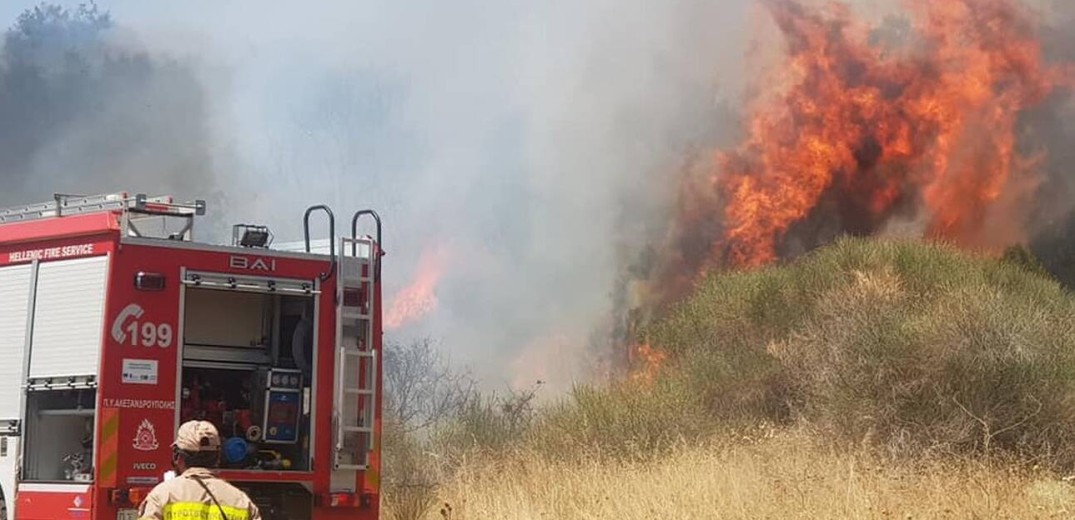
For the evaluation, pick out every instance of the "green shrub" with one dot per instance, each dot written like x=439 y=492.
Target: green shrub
x=912 y=347
x=487 y=424
x=625 y=421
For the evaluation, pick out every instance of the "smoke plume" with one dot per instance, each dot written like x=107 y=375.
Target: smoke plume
x=84 y=108
x=549 y=156
x=531 y=143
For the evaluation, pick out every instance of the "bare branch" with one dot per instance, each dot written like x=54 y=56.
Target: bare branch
x=421 y=388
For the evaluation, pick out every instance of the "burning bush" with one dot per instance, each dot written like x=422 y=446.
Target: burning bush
x=928 y=123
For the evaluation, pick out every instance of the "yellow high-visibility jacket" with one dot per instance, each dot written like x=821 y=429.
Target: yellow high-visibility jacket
x=183 y=498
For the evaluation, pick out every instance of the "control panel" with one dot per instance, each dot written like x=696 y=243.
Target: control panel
x=283 y=406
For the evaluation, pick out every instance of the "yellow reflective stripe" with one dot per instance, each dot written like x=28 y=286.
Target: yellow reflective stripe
x=109 y=446
x=200 y=511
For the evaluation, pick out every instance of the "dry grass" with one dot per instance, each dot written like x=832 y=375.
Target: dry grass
x=783 y=475
x=900 y=378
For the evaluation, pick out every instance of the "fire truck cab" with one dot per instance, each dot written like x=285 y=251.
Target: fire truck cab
x=116 y=327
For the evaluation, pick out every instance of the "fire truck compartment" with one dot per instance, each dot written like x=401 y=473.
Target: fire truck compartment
x=53 y=315
x=59 y=435
x=246 y=359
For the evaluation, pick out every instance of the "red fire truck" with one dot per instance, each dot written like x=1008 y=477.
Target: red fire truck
x=116 y=326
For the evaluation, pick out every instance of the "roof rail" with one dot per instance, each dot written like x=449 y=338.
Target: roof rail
x=63 y=205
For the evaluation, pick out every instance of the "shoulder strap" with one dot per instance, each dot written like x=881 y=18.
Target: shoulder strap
x=223 y=515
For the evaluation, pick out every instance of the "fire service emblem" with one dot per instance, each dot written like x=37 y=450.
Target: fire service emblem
x=146 y=437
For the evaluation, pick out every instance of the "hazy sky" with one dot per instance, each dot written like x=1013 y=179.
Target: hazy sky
x=525 y=138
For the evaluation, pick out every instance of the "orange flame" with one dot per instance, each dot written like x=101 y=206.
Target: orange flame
x=863 y=129
x=419 y=297
x=648 y=362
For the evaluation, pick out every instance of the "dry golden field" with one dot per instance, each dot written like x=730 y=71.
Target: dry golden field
x=776 y=476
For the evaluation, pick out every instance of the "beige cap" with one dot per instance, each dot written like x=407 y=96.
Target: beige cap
x=194 y=436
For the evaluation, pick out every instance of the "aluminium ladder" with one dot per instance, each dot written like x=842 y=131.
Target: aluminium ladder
x=65 y=205
x=356 y=360
x=62 y=205
x=141 y=205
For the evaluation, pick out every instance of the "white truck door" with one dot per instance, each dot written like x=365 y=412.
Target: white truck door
x=68 y=317
x=14 y=311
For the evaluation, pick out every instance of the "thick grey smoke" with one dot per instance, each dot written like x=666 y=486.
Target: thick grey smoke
x=84 y=108
x=539 y=145
x=1052 y=128
x=534 y=142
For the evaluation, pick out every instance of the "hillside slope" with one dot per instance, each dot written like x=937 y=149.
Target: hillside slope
x=912 y=348
x=918 y=348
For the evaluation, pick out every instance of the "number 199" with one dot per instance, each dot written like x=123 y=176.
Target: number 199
x=152 y=334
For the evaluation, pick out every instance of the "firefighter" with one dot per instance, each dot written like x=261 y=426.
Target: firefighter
x=196 y=492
